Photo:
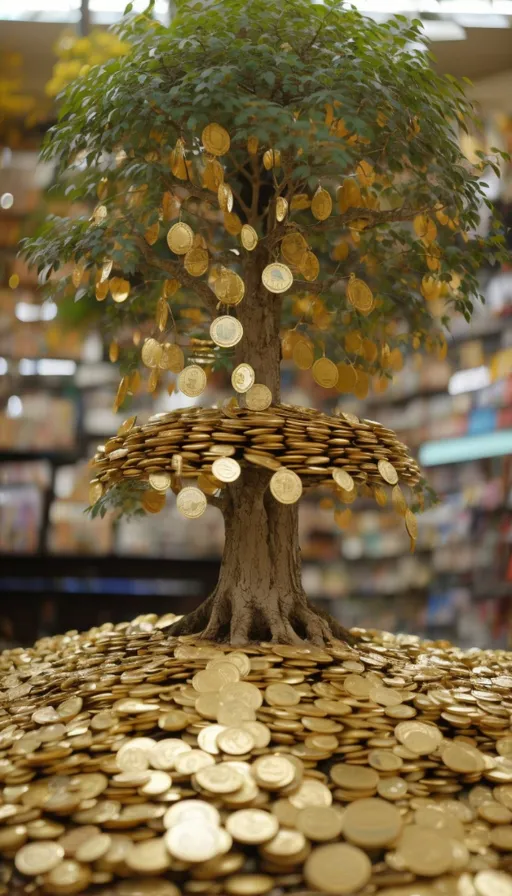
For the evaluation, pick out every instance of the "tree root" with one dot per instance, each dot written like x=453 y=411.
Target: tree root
x=241 y=619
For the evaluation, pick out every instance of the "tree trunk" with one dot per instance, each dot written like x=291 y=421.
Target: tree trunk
x=259 y=595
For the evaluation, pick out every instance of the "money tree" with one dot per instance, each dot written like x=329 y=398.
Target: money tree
x=264 y=181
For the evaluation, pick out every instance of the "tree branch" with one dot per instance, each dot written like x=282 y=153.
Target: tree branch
x=373 y=216
x=219 y=501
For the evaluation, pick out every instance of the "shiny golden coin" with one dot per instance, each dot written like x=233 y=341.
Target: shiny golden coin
x=277 y=277
x=225 y=198
x=286 y=486
x=252 y=826
x=191 y=811
x=384 y=760
x=293 y=248
x=180 y=238
x=309 y=266
x=193 y=841
x=280 y=694
x=337 y=868
x=321 y=205
x=219 y=779
x=303 y=354
x=281 y=208
x=191 y=762
x=411 y=524
x=311 y=793
x=243 y=378
x=273 y=772
x=248 y=884
x=271 y=159
x=388 y=472
x=95 y=491
x=398 y=499
x=160 y=481
x=286 y=844
x=192 y=380
x=371 y=823
x=149 y=857
x=360 y=295
x=153 y=501
x=259 y=397
x=226 y=469
x=93 y=848
x=243 y=691
x=424 y=851
x=215 y=139
x=119 y=289
x=191 y=502
x=38 y=858
x=235 y=741
x=151 y=352
x=319 y=823
x=493 y=883
x=325 y=373
x=226 y=331
x=418 y=737
x=172 y=358
x=351 y=777
x=343 y=479
x=68 y=876
x=196 y=262
x=249 y=237
x=463 y=758
x=229 y=287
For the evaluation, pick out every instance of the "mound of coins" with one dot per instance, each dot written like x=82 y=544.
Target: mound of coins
x=342 y=451
x=133 y=763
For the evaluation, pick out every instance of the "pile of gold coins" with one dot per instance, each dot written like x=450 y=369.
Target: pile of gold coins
x=302 y=448
x=136 y=764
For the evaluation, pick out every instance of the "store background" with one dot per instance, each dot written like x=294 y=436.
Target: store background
x=59 y=570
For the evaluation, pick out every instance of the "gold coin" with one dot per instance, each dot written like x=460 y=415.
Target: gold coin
x=392 y=788
x=277 y=277
x=293 y=247
x=321 y=204
x=286 y=843
x=190 y=811
x=286 y=486
x=215 y=139
x=398 y=499
x=160 y=481
x=303 y=354
x=38 y=858
x=463 y=758
x=93 y=848
x=119 y=289
x=371 y=823
x=248 y=884
x=172 y=358
x=243 y=691
x=351 y=777
x=252 y=826
x=320 y=822
x=226 y=331
x=95 y=491
x=150 y=857
x=418 y=737
x=226 y=469
x=191 y=762
x=281 y=208
x=388 y=472
x=219 y=779
x=259 y=397
x=424 y=851
x=249 y=237
x=271 y=159
x=311 y=793
x=151 y=353
x=337 y=868
x=280 y=694
x=343 y=479
x=67 y=877
x=196 y=262
x=360 y=295
x=309 y=266
x=191 y=502
x=225 y=198
x=229 y=287
x=325 y=373
x=493 y=883
x=192 y=380
x=384 y=760
x=243 y=377
x=235 y=741
x=153 y=501
x=193 y=841
x=232 y=223
x=273 y=772
x=411 y=523
x=180 y=238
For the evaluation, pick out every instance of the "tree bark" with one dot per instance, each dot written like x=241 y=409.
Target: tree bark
x=259 y=595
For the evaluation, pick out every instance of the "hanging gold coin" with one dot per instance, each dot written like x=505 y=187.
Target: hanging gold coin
x=286 y=486
x=180 y=238
x=213 y=175
x=281 y=208
x=411 y=524
x=161 y=313
x=215 y=139
x=153 y=379
x=259 y=397
x=232 y=223
x=152 y=233
x=196 y=262
x=101 y=291
x=243 y=378
x=277 y=277
x=153 y=501
x=360 y=295
x=300 y=202
x=303 y=355
x=293 y=248
x=271 y=159
x=170 y=288
x=229 y=287
x=365 y=173
x=225 y=197
x=172 y=358
x=252 y=145
x=343 y=479
x=95 y=491
x=398 y=499
x=309 y=266
x=321 y=205
x=249 y=237
x=106 y=270
x=151 y=353
x=388 y=472
x=325 y=373
x=226 y=331
x=192 y=380
x=119 y=289
x=226 y=469
x=160 y=481
x=191 y=502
